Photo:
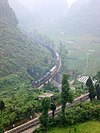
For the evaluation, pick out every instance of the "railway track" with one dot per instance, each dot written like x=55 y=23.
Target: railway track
x=50 y=74
x=28 y=126
x=33 y=123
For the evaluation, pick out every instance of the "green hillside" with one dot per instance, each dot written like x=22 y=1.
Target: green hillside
x=88 y=127
x=18 y=54
x=76 y=28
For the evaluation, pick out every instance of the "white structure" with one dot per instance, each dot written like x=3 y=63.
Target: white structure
x=44 y=95
x=83 y=79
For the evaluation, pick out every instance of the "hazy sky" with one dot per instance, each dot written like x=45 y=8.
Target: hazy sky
x=70 y=2
x=30 y=2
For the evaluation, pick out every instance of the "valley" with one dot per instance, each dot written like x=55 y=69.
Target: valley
x=37 y=40
x=75 y=28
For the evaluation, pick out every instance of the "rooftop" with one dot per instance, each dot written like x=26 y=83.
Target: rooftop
x=46 y=95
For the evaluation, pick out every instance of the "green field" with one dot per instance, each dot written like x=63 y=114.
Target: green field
x=89 y=127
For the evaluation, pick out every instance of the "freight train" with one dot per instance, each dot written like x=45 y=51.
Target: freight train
x=49 y=74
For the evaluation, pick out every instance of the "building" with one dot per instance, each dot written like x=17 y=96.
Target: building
x=44 y=95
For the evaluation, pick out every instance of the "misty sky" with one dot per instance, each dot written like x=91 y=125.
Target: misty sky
x=70 y=2
x=29 y=3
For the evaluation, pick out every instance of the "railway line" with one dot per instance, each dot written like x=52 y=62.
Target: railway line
x=28 y=126
x=33 y=123
x=37 y=84
x=50 y=74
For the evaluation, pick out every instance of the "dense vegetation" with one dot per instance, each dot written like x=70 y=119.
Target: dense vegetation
x=66 y=95
x=94 y=89
x=21 y=61
x=83 y=112
x=20 y=104
x=80 y=113
x=19 y=55
x=24 y=58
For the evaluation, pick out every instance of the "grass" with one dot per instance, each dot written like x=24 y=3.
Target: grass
x=88 y=127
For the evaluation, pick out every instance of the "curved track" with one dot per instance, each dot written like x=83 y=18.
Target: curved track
x=50 y=74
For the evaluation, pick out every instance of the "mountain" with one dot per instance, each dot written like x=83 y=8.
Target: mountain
x=7 y=17
x=77 y=28
x=23 y=13
x=41 y=8
x=83 y=18
x=43 y=13
x=20 y=57
x=47 y=16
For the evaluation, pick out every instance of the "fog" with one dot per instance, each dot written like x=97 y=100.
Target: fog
x=70 y=2
x=32 y=3
x=39 y=10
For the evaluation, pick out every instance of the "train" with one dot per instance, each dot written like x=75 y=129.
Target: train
x=49 y=74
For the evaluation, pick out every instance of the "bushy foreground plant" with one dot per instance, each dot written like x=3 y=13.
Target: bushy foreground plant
x=78 y=114
x=1 y=129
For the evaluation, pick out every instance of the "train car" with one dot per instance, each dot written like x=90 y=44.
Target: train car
x=42 y=80
x=57 y=60
x=57 y=56
x=35 y=84
x=52 y=70
x=49 y=74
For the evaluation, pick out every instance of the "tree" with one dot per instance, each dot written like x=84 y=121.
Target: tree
x=2 y=106
x=63 y=54
x=53 y=108
x=29 y=112
x=97 y=77
x=1 y=129
x=97 y=85
x=66 y=95
x=91 y=89
x=44 y=118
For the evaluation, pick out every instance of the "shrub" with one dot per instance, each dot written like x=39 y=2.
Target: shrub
x=1 y=129
x=78 y=114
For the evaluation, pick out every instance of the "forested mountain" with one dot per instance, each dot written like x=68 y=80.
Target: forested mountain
x=77 y=28
x=7 y=17
x=18 y=54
